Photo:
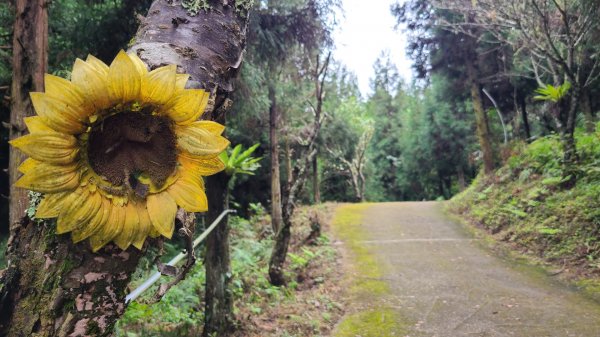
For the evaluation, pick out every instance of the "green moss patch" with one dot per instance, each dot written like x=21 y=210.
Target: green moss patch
x=372 y=323
x=367 y=288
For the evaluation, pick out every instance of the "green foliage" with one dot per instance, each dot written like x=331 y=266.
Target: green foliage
x=238 y=162
x=101 y=28
x=552 y=93
x=180 y=312
x=524 y=204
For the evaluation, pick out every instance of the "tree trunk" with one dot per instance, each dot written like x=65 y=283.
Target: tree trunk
x=483 y=129
x=279 y=254
x=294 y=188
x=586 y=108
x=219 y=302
x=30 y=62
x=53 y=287
x=460 y=172
x=316 y=186
x=276 y=217
x=523 y=104
x=288 y=154
x=570 y=157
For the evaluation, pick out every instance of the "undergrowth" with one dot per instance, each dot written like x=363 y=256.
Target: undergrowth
x=524 y=204
x=180 y=312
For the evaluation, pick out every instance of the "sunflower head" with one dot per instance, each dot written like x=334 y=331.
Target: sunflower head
x=117 y=149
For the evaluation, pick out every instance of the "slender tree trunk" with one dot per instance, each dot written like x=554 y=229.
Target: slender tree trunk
x=527 y=129
x=279 y=254
x=288 y=155
x=517 y=117
x=316 y=185
x=276 y=217
x=586 y=108
x=570 y=157
x=53 y=287
x=30 y=62
x=219 y=302
x=483 y=129
x=460 y=172
x=292 y=189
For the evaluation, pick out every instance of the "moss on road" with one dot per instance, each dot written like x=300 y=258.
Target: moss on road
x=412 y=272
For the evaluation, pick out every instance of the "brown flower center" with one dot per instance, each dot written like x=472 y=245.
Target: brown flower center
x=128 y=144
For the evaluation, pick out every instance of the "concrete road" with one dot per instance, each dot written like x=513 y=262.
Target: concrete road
x=445 y=283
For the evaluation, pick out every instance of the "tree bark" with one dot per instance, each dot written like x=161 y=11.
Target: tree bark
x=30 y=62
x=276 y=216
x=586 y=108
x=523 y=104
x=570 y=156
x=218 y=298
x=316 y=185
x=460 y=172
x=483 y=129
x=53 y=287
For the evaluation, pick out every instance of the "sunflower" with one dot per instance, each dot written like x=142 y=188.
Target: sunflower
x=117 y=149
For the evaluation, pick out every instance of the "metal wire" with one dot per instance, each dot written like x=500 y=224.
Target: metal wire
x=156 y=276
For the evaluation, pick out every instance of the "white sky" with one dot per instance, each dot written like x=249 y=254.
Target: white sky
x=365 y=30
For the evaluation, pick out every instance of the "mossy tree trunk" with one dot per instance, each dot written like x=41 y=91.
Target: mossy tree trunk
x=30 y=62
x=218 y=297
x=53 y=287
x=274 y=116
x=481 y=120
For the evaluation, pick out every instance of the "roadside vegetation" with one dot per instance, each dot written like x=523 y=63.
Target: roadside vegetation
x=309 y=305
x=525 y=205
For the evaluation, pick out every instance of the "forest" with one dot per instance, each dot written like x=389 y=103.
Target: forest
x=241 y=106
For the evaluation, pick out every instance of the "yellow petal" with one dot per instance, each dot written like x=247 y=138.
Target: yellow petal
x=153 y=233
x=210 y=126
x=188 y=193
x=90 y=80
x=65 y=90
x=50 y=147
x=140 y=66
x=130 y=227
x=48 y=178
x=144 y=228
x=110 y=229
x=201 y=167
x=50 y=206
x=28 y=165
x=181 y=81
x=98 y=65
x=162 y=209
x=59 y=114
x=78 y=209
x=159 y=85
x=36 y=124
x=187 y=106
x=95 y=224
x=200 y=142
x=123 y=79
